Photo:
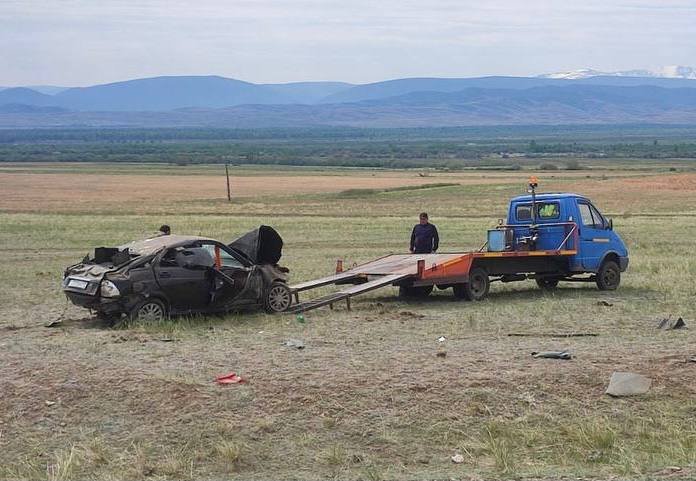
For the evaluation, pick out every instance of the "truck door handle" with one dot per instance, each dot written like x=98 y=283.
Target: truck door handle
x=165 y=275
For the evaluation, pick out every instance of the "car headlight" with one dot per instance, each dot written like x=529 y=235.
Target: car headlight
x=109 y=289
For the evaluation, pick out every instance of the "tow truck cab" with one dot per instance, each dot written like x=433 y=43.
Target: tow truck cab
x=562 y=221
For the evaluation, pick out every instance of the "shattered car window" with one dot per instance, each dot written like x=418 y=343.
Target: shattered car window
x=226 y=259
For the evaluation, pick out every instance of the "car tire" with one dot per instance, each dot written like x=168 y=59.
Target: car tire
x=478 y=286
x=277 y=298
x=547 y=283
x=149 y=310
x=608 y=276
x=415 y=292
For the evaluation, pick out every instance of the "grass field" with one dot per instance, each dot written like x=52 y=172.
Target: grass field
x=368 y=398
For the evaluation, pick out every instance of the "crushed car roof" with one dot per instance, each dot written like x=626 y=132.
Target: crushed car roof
x=155 y=244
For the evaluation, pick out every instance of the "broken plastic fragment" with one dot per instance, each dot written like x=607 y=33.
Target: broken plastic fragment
x=231 y=378
x=552 y=355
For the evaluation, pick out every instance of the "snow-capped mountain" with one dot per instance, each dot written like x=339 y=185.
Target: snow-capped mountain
x=673 y=71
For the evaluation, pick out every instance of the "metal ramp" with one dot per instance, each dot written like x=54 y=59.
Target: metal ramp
x=346 y=293
x=325 y=281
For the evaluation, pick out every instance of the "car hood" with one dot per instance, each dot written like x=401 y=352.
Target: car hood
x=261 y=246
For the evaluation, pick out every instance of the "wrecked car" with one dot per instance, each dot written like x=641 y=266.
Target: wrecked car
x=174 y=274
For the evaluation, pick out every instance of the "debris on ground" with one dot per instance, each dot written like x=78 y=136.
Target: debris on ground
x=441 y=339
x=628 y=384
x=167 y=339
x=441 y=354
x=296 y=343
x=300 y=318
x=457 y=459
x=565 y=355
x=231 y=378
x=669 y=471
x=54 y=323
x=669 y=324
x=50 y=403
x=692 y=359
x=561 y=334
x=411 y=315
x=604 y=303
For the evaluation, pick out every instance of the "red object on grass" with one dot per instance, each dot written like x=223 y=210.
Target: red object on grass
x=231 y=378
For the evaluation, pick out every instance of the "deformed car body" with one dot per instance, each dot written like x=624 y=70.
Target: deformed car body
x=175 y=274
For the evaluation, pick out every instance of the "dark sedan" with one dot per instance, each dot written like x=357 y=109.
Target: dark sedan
x=173 y=274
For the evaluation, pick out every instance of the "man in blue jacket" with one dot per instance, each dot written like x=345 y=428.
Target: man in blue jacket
x=424 y=238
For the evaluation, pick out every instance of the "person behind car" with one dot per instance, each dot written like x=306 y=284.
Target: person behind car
x=424 y=237
x=165 y=230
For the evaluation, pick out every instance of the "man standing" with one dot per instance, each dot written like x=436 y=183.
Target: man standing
x=424 y=238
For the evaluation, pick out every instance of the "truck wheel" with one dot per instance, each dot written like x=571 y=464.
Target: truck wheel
x=149 y=310
x=478 y=285
x=608 y=276
x=277 y=298
x=415 y=292
x=547 y=283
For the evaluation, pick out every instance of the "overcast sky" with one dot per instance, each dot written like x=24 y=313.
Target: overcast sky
x=82 y=42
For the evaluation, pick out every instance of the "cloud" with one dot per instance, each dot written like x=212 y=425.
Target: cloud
x=79 y=42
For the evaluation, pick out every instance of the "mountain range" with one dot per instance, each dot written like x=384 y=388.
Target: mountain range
x=571 y=97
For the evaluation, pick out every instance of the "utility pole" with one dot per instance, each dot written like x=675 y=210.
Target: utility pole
x=227 y=175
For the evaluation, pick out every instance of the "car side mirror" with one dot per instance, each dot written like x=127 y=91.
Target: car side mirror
x=610 y=224
x=196 y=258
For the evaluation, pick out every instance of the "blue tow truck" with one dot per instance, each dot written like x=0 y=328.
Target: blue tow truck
x=550 y=237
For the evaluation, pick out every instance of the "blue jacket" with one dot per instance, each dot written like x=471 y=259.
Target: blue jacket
x=424 y=239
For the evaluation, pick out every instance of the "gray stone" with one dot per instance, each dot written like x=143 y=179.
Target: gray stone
x=628 y=384
x=296 y=343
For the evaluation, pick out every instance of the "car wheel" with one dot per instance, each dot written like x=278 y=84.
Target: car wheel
x=149 y=310
x=415 y=291
x=547 y=283
x=608 y=276
x=278 y=298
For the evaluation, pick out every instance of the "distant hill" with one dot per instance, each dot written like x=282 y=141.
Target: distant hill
x=672 y=71
x=550 y=105
x=26 y=96
x=171 y=93
x=391 y=88
x=29 y=109
x=308 y=92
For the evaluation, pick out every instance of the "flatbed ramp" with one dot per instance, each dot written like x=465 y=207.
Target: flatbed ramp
x=367 y=277
x=415 y=270
x=347 y=293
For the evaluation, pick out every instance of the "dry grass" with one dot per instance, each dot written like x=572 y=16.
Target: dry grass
x=368 y=398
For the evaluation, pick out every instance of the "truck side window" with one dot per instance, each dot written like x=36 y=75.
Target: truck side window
x=599 y=221
x=588 y=219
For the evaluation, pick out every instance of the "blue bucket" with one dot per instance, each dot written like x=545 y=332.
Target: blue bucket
x=496 y=240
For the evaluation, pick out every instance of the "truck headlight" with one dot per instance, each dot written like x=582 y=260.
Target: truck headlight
x=109 y=289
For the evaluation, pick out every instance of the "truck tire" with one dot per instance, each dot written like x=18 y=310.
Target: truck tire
x=608 y=276
x=277 y=298
x=415 y=292
x=547 y=283
x=477 y=287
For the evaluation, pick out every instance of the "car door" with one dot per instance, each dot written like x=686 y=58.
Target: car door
x=230 y=276
x=593 y=235
x=187 y=289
